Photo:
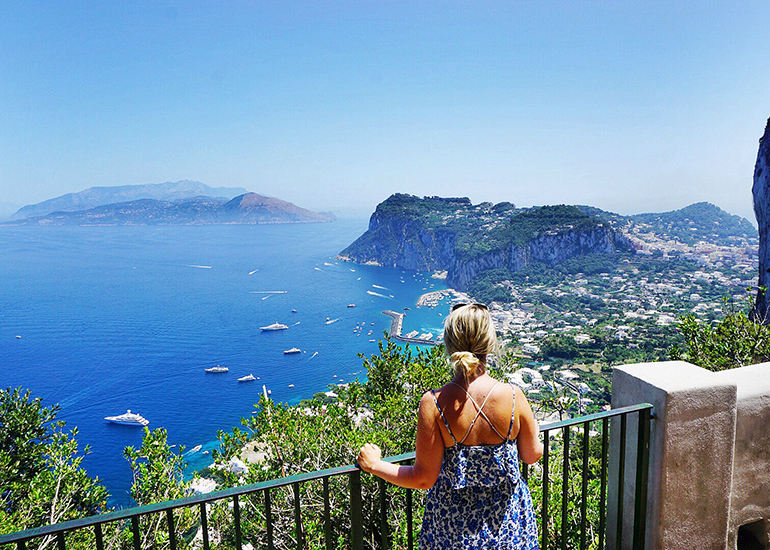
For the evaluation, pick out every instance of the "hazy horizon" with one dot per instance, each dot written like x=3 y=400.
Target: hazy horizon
x=335 y=105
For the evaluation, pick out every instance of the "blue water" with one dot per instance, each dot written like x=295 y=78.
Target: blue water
x=116 y=318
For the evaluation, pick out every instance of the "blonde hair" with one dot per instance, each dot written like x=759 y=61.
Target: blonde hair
x=469 y=336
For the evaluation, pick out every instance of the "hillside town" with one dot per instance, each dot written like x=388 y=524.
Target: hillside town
x=560 y=338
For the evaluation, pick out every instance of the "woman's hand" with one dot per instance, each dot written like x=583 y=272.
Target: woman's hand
x=368 y=456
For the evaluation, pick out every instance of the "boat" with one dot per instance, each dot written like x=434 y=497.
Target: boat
x=247 y=378
x=217 y=369
x=351 y=305
x=275 y=326
x=292 y=350
x=294 y=311
x=128 y=419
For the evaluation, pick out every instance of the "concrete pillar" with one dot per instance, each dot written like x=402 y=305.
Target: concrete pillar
x=691 y=455
x=750 y=498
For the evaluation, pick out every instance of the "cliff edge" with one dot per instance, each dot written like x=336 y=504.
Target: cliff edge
x=454 y=235
x=761 y=193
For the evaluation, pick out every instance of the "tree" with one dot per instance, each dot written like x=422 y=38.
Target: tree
x=158 y=476
x=735 y=341
x=41 y=478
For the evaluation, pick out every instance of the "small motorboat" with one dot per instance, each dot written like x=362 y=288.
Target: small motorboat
x=247 y=378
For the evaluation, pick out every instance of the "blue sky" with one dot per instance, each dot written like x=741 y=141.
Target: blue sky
x=628 y=106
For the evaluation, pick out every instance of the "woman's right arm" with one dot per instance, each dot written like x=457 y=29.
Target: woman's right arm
x=528 y=438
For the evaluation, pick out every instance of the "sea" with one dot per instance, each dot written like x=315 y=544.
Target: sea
x=100 y=320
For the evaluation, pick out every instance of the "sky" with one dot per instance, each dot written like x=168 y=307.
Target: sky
x=334 y=105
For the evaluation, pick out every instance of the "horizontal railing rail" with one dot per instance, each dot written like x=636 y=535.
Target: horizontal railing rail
x=353 y=473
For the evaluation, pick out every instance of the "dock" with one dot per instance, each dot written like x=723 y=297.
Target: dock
x=396 y=325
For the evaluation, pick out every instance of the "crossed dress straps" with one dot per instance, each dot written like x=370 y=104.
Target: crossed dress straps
x=479 y=412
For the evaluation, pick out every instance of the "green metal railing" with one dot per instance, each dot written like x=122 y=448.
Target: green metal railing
x=353 y=473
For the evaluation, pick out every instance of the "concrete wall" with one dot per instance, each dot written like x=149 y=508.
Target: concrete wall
x=709 y=455
x=750 y=494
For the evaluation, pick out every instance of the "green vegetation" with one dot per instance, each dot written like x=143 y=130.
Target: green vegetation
x=734 y=341
x=41 y=478
x=300 y=439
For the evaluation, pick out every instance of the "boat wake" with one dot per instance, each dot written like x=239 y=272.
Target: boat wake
x=378 y=294
x=380 y=287
x=194 y=449
x=253 y=272
x=199 y=266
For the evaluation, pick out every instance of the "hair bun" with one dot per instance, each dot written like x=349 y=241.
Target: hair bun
x=466 y=362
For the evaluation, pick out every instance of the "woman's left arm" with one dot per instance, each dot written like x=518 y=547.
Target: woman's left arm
x=429 y=450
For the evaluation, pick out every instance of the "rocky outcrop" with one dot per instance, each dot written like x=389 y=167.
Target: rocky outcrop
x=550 y=249
x=761 y=193
x=453 y=235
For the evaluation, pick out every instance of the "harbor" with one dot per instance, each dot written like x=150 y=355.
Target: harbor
x=396 y=327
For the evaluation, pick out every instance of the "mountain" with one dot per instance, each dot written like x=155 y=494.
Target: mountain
x=254 y=208
x=248 y=208
x=99 y=196
x=701 y=221
x=453 y=235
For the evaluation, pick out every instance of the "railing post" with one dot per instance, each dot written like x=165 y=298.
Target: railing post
x=98 y=536
x=603 y=482
x=621 y=482
x=269 y=520
x=298 y=518
x=171 y=534
x=383 y=515
x=356 y=514
x=409 y=519
x=642 y=467
x=135 y=532
x=584 y=487
x=237 y=521
x=204 y=526
x=327 y=515
x=564 y=485
x=544 y=516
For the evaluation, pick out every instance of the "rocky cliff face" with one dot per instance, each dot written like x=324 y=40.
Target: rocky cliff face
x=550 y=249
x=761 y=192
x=465 y=240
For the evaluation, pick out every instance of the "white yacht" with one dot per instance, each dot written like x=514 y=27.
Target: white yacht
x=217 y=369
x=275 y=326
x=292 y=350
x=247 y=378
x=128 y=419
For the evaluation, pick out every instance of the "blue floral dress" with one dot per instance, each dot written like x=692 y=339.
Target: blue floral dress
x=480 y=499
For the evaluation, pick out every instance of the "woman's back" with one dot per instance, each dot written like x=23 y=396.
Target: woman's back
x=460 y=407
x=479 y=499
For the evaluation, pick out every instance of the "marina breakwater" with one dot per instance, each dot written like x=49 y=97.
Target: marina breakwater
x=396 y=326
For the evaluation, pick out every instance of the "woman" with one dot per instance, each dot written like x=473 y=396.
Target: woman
x=477 y=497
